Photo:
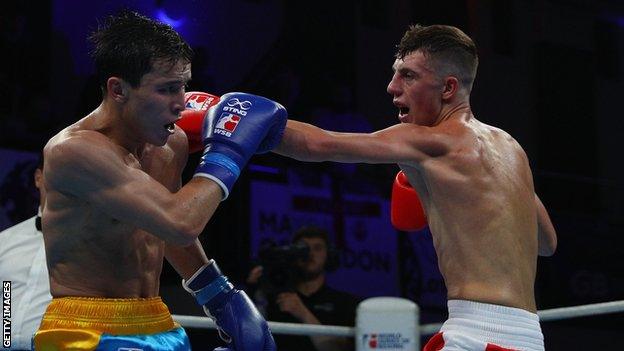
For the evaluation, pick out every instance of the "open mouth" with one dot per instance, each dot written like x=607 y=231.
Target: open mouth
x=403 y=111
x=170 y=127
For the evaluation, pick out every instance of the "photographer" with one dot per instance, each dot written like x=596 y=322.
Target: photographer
x=296 y=291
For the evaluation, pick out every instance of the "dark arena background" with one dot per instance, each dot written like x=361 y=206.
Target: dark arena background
x=551 y=74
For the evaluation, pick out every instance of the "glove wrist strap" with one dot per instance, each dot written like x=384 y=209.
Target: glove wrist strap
x=219 y=168
x=207 y=284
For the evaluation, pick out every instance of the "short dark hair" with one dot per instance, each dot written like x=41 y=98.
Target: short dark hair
x=127 y=44
x=443 y=45
x=311 y=232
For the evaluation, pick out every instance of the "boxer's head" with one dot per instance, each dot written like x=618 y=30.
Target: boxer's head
x=318 y=241
x=129 y=45
x=448 y=51
x=434 y=66
x=143 y=67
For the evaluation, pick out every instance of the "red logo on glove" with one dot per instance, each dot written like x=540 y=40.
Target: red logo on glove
x=227 y=124
x=199 y=101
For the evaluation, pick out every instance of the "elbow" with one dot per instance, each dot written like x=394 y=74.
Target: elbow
x=548 y=249
x=553 y=245
x=547 y=252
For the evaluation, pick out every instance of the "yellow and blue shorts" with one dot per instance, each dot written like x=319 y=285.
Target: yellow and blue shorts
x=86 y=323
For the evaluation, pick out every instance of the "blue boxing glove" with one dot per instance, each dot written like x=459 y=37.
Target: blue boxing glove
x=231 y=309
x=237 y=127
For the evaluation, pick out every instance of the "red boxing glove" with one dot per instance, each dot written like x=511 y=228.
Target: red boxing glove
x=406 y=211
x=196 y=105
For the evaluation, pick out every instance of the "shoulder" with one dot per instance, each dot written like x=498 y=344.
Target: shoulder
x=71 y=146
x=71 y=156
x=506 y=140
x=432 y=141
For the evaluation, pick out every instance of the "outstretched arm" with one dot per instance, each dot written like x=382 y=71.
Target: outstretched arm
x=396 y=144
x=546 y=235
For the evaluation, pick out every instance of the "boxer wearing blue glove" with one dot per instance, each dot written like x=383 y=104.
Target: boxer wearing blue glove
x=231 y=309
x=234 y=129
x=116 y=202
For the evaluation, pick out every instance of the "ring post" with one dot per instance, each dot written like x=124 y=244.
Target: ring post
x=387 y=323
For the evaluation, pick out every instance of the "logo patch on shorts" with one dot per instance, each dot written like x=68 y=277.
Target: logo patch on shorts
x=226 y=124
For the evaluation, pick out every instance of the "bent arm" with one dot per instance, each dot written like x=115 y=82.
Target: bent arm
x=186 y=260
x=546 y=235
x=86 y=166
x=396 y=144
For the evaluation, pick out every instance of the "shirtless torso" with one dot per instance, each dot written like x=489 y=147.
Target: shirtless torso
x=476 y=186
x=479 y=199
x=91 y=253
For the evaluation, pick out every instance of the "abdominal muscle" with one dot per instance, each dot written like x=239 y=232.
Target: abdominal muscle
x=104 y=258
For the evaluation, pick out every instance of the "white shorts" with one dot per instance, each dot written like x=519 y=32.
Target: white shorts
x=484 y=327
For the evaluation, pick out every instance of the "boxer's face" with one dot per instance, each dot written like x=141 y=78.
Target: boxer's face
x=158 y=101
x=416 y=90
x=318 y=256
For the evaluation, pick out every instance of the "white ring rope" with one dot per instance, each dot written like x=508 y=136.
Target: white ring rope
x=425 y=329
x=276 y=327
x=581 y=311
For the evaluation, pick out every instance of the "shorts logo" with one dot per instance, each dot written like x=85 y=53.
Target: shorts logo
x=199 y=102
x=226 y=124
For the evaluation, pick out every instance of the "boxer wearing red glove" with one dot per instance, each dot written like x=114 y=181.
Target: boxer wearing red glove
x=475 y=183
x=406 y=211
x=192 y=118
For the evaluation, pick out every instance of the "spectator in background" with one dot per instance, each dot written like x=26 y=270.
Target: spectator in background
x=23 y=263
x=311 y=301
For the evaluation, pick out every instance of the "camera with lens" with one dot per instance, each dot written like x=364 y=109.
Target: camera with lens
x=281 y=270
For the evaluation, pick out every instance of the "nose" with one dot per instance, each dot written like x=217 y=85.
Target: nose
x=394 y=88
x=179 y=103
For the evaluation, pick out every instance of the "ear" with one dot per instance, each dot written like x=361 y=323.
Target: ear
x=38 y=178
x=451 y=86
x=117 y=89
